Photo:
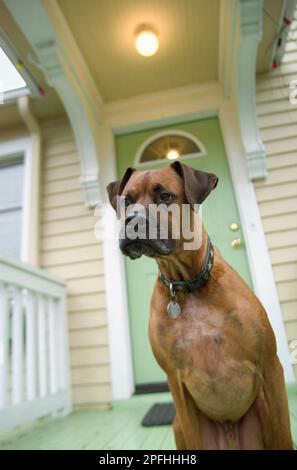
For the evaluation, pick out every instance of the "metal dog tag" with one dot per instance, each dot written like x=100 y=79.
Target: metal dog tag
x=173 y=309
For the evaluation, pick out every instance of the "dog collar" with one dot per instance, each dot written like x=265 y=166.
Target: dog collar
x=173 y=308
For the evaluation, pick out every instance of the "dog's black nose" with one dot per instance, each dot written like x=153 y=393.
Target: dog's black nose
x=136 y=224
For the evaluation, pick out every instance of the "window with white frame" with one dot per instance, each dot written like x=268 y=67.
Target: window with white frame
x=11 y=206
x=169 y=145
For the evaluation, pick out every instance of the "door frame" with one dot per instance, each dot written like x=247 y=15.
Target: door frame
x=212 y=105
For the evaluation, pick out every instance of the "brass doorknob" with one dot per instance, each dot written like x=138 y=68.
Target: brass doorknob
x=236 y=243
x=234 y=227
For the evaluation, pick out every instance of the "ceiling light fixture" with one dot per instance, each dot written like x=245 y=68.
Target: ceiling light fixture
x=172 y=154
x=146 y=42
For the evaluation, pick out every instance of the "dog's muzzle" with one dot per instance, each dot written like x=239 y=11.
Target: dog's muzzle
x=140 y=235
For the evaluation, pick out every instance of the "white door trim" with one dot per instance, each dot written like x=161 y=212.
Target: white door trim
x=256 y=247
x=119 y=339
x=8 y=150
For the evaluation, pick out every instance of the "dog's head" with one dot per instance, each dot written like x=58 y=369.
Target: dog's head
x=151 y=203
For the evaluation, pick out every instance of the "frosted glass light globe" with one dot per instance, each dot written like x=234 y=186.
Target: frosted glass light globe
x=147 y=43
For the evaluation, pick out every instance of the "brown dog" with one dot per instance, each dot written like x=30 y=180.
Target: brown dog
x=214 y=342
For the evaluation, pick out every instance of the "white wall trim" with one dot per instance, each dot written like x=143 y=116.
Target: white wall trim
x=32 y=194
x=168 y=132
x=120 y=349
x=9 y=150
x=250 y=15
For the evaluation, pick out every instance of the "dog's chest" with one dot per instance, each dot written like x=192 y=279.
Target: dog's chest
x=199 y=327
x=204 y=349
x=191 y=339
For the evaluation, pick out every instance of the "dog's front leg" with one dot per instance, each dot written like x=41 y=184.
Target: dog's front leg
x=178 y=435
x=186 y=425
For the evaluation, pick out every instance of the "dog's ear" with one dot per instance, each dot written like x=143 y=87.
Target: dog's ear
x=198 y=184
x=115 y=188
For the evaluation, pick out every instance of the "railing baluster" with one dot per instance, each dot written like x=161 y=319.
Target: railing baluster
x=4 y=332
x=42 y=365
x=33 y=322
x=52 y=311
x=17 y=346
x=63 y=362
x=31 y=345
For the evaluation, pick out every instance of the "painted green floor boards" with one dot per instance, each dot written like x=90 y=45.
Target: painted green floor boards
x=118 y=428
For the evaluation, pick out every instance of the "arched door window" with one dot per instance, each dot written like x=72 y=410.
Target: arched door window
x=169 y=146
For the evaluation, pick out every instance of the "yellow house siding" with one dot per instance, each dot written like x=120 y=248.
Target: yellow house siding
x=277 y=194
x=69 y=250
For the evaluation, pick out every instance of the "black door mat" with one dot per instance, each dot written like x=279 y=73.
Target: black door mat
x=151 y=387
x=159 y=415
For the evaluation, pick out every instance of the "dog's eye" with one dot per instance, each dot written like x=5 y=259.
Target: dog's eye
x=128 y=202
x=165 y=197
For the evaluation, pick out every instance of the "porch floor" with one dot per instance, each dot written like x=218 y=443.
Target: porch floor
x=118 y=428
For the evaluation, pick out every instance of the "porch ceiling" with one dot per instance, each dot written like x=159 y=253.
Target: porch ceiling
x=104 y=31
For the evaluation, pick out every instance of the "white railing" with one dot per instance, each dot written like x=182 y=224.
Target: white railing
x=34 y=361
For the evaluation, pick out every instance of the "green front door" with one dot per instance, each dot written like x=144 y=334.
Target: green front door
x=219 y=212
